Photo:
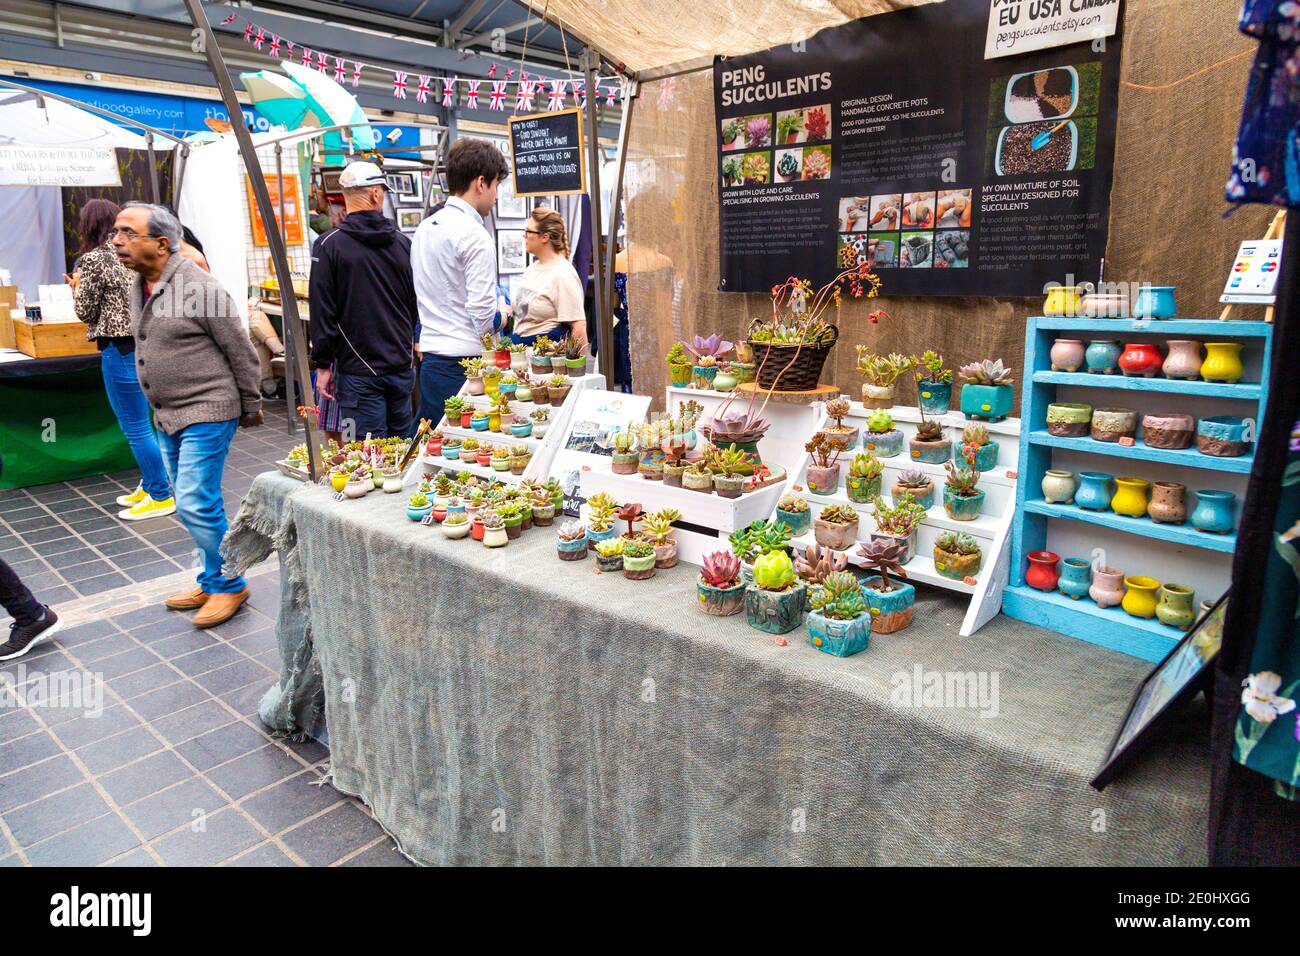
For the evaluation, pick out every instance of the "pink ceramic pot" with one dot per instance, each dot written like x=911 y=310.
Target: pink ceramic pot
x=1183 y=360
x=1173 y=430
x=1107 y=587
x=1067 y=355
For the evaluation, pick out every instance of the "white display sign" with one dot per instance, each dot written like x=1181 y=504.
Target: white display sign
x=1019 y=26
x=598 y=415
x=59 y=166
x=1254 y=272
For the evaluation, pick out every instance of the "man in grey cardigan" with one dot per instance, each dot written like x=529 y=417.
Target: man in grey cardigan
x=200 y=374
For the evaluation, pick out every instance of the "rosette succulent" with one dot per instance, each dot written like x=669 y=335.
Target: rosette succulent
x=757 y=129
x=788 y=167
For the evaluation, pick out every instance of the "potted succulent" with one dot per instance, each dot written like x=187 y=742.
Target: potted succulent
x=575 y=360
x=698 y=477
x=673 y=466
x=957 y=555
x=823 y=473
x=543 y=508
x=482 y=454
x=541 y=391
x=473 y=367
x=933 y=383
x=609 y=554
x=658 y=530
x=707 y=352
x=756 y=539
x=720 y=591
x=650 y=462
x=499 y=412
x=892 y=603
x=601 y=511
x=359 y=484
x=742 y=429
x=731 y=171
x=863 y=481
x=929 y=445
x=961 y=498
x=816 y=564
x=730 y=130
x=838 y=622
x=512 y=517
x=456 y=526
x=728 y=466
x=339 y=478
x=987 y=393
x=571 y=541
x=836 y=526
x=882 y=438
x=539 y=362
x=494 y=529
x=774 y=602
x=631 y=513
x=899 y=522
x=679 y=364
x=975 y=441
x=479 y=420
x=838 y=409
x=452 y=408
x=541 y=419
x=624 y=460
x=638 y=559
x=556 y=492
x=521 y=427
x=788 y=127
x=418 y=506
x=519 y=458
x=792 y=511
x=508 y=384
x=558 y=388
x=881 y=373
x=500 y=458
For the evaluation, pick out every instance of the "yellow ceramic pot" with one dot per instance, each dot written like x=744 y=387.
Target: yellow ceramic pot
x=1130 y=497
x=1140 y=596
x=1064 y=300
x=1222 y=362
x=494 y=422
x=339 y=480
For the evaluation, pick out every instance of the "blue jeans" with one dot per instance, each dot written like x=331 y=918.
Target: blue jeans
x=379 y=405
x=132 y=410
x=196 y=459
x=557 y=334
x=440 y=378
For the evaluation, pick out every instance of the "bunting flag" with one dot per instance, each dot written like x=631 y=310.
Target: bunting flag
x=509 y=73
x=471 y=100
x=422 y=90
x=356 y=72
x=448 y=91
x=556 y=101
x=322 y=62
x=229 y=20
x=340 y=69
x=498 y=96
x=248 y=31
x=275 y=47
x=259 y=39
x=306 y=57
x=492 y=72
x=399 y=85
x=523 y=96
x=288 y=49
x=580 y=93
x=611 y=92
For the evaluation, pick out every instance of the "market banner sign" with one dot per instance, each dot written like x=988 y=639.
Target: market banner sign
x=1019 y=26
x=59 y=166
x=892 y=142
x=546 y=153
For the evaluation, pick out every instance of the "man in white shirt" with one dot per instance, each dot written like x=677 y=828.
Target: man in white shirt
x=454 y=264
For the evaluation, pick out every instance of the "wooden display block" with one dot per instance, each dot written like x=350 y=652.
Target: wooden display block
x=8 y=302
x=806 y=396
x=43 y=340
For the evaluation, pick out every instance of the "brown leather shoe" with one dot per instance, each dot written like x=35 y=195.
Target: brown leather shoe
x=187 y=601
x=219 y=608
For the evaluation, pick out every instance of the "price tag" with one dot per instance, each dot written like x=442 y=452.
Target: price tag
x=427 y=519
x=969 y=580
x=339 y=496
x=1127 y=441
x=1012 y=474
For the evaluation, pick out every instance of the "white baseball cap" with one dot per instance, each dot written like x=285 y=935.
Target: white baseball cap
x=362 y=174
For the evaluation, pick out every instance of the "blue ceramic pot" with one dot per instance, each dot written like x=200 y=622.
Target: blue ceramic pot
x=1222 y=436
x=479 y=424
x=962 y=509
x=884 y=444
x=1076 y=577
x=796 y=521
x=1095 y=490
x=933 y=453
x=989 y=402
x=508 y=388
x=720 y=602
x=572 y=550
x=456 y=509
x=935 y=397
x=1215 y=511
x=521 y=429
x=704 y=375
x=776 y=612
x=1102 y=357
x=594 y=536
x=1155 y=302
x=841 y=638
x=419 y=514
x=890 y=610
x=986 y=456
x=451 y=452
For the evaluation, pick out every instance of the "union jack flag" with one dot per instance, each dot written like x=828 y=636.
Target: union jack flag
x=248 y=32
x=524 y=96
x=260 y=38
x=492 y=71
x=322 y=62
x=229 y=20
x=356 y=72
x=289 y=48
x=340 y=69
x=448 y=91
x=275 y=46
x=509 y=73
x=471 y=101
x=306 y=57
x=557 y=95
x=498 y=95
x=580 y=92
x=399 y=85
x=422 y=91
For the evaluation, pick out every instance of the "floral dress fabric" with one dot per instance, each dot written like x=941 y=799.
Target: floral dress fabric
x=1267 y=737
x=101 y=297
x=1266 y=161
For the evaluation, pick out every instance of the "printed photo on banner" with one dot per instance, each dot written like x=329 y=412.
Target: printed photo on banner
x=854 y=213
x=952 y=249
x=873 y=251
x=917 y=250
x=789 y=165
x=952 y=208
x=918 y=210
x=885 y=212
x=807 y=124
x=753 y=169
x=747 y=132
x=1044 y=121
x=511 y=256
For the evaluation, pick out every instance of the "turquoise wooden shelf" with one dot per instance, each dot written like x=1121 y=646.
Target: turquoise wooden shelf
x=1140 y=452
x=1244 y=391
x=1083 y=620
x=1177 y=533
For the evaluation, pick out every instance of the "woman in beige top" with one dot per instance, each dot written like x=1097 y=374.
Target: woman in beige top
x=549 y=299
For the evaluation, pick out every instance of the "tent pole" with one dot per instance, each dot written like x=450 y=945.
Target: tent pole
x=153 y=169
x=604 y=316
x=297 y=368
x=291 y=424
x=630 y=90
x=180 y=177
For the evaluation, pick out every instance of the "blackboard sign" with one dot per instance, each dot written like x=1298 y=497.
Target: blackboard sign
x=546 y=150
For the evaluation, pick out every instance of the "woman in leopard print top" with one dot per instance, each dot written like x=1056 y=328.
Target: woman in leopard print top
x=101 y=285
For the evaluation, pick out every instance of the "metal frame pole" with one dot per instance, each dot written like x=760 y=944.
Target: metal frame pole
x=604 y=317
x=291 y=424
x=298 y=368
x=630 y=91
x=153 y=169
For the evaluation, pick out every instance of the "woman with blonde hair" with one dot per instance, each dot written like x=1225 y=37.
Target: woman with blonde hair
x=549 y=299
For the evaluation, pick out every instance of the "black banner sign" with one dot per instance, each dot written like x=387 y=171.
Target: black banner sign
x=546 y=151
x=892 y=141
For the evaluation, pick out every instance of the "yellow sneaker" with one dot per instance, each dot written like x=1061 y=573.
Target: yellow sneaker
x=134 y=497
x=148 y=508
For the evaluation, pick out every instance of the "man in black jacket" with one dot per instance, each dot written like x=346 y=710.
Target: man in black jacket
x=363 y=312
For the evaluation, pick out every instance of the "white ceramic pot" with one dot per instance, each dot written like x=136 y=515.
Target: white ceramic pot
x=495 y=537
x=454 y=531
x=1059 y=486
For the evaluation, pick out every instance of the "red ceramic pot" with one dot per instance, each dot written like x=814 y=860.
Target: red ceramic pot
x=484 y=458
x=1043 y=572
x=503 y=359
x=465 y=416
x=439 y=515
x=476 y=530
x=1141 y=359
x=434 y=448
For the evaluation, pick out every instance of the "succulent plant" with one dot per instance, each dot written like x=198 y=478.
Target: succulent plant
x=824 y=449
x=445 y=486
x=975 y=436
x=601 y=509
x=882 y=370
x=456 y=518
x=677 y=355
x=572 y=349
x=572 y=530
x=929 y=367
x=957 y=542
x=658 y=526
x=729 y=461
x=557 y=381
x=500 y=451
x=419 y=499
x=623 y=441
x=759 y=537
x=714 y=346
x=880 y=421
x=986 y=372
x=492 y=520
x=793 y=504
x=838 y=514
x=818 y=563
x=838 y=409
x=542 y=345
x=734 y=427
x=610 y=547
x=929 y=430
x=900 y=519
x=721 y=569
x=885 y=557
x=962 y=481
x=637 y=549
x=839 y=597
x=632 y=512
x=774 y=571
x=866 y=465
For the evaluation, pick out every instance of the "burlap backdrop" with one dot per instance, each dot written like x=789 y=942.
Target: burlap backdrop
x=1176 y=131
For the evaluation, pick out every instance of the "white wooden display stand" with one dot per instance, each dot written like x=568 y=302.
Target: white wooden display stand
x=544 y=449
x=792 y=425
x=992 y=528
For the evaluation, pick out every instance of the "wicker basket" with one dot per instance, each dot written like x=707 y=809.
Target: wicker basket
x=805 y=372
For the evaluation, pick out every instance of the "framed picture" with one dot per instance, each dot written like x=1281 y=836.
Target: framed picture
x=406 y=187
x=510 y=206
x=511 y=257
x=330 y=179
x=1174 y=681
x=409 y=219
